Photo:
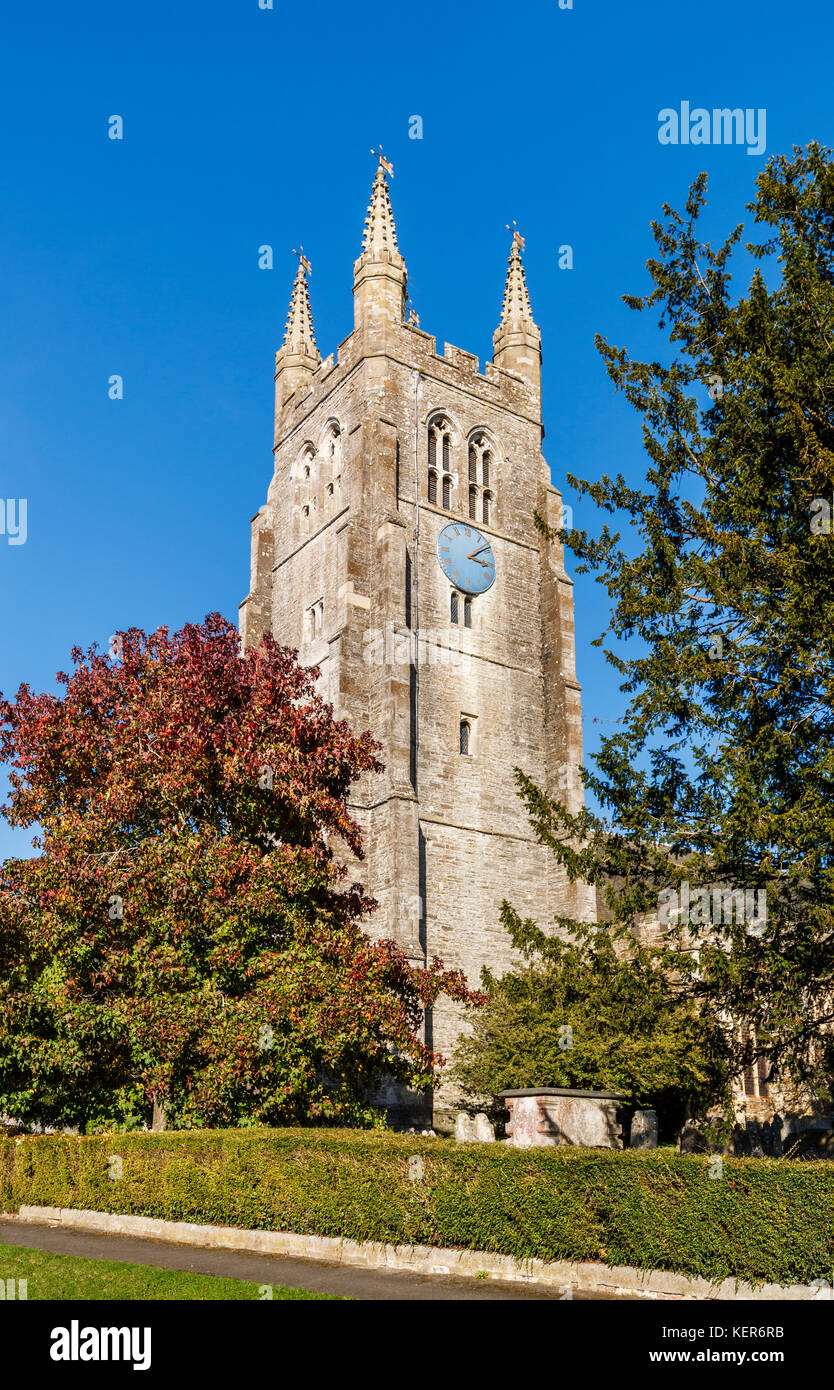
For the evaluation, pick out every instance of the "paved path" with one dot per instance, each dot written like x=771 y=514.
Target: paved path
x=386 y=1285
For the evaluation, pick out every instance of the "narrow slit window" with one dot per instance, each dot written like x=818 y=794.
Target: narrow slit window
x=487 y=500
x=467 y=612
x=473 y=466
x=447 y=493
x=453 y=607
x=473 y=503
x=447 y=449
x=433 y=488
x=465 y=735
x=486 y=470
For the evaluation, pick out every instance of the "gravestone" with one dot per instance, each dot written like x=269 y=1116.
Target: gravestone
x=464 y=1128
x=644 y=1129
x=473 y=1131
x=484 y=1132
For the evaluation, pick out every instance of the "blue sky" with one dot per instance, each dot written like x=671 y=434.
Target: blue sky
x=246 y=126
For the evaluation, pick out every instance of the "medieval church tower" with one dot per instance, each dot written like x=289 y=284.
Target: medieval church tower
x=397 y=551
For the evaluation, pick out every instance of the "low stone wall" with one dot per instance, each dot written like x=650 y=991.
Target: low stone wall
x=563 y=1275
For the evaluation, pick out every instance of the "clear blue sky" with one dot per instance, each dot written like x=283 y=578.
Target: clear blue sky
x=245 y=126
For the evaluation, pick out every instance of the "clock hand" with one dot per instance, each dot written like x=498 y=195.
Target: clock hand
x=476 y=553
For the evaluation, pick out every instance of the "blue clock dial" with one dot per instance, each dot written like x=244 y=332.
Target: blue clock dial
x=466 y=558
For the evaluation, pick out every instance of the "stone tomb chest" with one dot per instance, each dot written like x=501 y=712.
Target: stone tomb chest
x=548 y=1116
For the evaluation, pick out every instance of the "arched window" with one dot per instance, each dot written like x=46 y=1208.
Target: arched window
x=481 y=474
x=330 y=456
x=440 y=456
x=473 y=503
x=467 y=612
x=465 y=731
x=453 y=607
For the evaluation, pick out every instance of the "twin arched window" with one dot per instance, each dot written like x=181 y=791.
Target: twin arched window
x=441 y=480
x=480 y=464
x=440 y=461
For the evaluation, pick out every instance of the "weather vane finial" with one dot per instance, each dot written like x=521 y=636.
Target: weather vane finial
x=385 y=163
x=518 y=239
x=302 y=259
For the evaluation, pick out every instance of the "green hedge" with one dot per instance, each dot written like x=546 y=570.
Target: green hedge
x=765 y=1219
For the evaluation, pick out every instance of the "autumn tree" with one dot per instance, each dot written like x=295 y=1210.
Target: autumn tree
x=183 y=939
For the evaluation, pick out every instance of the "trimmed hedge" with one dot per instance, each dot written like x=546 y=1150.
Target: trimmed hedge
x=764 y=1220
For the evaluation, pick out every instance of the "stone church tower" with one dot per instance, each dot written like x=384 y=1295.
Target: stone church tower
x=455 y=650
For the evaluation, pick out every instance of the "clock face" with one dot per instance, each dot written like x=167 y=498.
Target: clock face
x=466 y=558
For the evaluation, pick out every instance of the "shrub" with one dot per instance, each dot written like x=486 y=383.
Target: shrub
x=764 y=1220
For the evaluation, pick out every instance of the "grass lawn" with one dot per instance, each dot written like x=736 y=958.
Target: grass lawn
x=71 y=1277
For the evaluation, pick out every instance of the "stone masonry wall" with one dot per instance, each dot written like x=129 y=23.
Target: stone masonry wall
x=446 y=836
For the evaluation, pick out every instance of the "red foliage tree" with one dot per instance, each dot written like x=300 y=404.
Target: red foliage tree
x=182 y=938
